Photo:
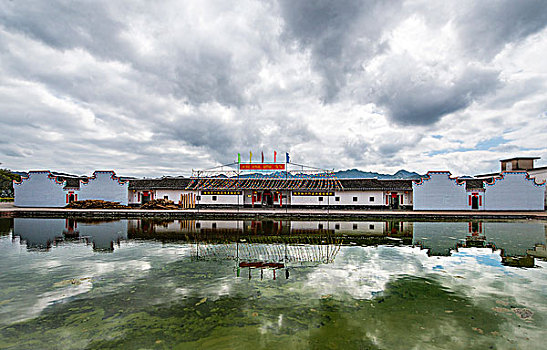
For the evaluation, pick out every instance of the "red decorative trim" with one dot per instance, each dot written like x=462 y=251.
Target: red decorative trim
x=503 y=173
x=427 y=177
x=112 y=176
x=49 y=175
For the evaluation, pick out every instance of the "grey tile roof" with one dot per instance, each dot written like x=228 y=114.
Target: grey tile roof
x=290 y=184
x=163 y=183
x=375 y=184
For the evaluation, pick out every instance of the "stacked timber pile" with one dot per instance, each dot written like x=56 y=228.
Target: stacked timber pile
x=96 y=204
x=165 y=204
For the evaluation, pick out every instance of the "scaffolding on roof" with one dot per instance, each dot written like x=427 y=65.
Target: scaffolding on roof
x=300 y=177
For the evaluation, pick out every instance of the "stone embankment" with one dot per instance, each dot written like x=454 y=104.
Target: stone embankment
x=7 y=209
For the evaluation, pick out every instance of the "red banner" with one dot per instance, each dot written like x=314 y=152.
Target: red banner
x=261 y=166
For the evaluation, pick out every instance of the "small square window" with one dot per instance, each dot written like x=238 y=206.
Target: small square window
x=371 y=227
x=320 y=199
x=355 y=199
x=198 y=198
x=165 y=197
x=371 y=199
x=336 y=226
x=214 y=198
x=214 y=225
x=320 y=226
x=355 y=226
x=198 y=224
x=337 y=199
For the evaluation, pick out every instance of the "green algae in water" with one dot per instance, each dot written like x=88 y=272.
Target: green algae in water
x=411 y=309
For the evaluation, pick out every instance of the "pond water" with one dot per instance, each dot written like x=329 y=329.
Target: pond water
x=187 y=284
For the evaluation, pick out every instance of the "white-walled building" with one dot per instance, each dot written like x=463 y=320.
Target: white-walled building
x=510 y=190
x=104 y=185
x=439 y=190
x=41 y=189
x=44 y=189
x=513 y=189
x=539 y=174
x=355 y=193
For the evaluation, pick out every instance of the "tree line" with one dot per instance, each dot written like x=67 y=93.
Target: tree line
x=6 y=183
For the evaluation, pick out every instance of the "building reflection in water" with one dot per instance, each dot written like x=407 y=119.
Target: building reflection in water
x=262 y=244
x=42 y=234
x=518 y=242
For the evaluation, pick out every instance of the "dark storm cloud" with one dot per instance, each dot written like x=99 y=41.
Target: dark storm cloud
x=340 y=33
x=65 y=24
x=414 y=99
x=199 y=74
x=343 y=35
x=357 y=148
x=487 y=26
x=225 y=138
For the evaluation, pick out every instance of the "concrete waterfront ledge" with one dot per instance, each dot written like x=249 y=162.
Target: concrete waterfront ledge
x=250 y=213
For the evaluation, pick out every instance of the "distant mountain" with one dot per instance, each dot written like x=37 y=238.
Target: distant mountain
x=358 y=174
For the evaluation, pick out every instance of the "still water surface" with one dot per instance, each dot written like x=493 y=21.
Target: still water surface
x=90 y=284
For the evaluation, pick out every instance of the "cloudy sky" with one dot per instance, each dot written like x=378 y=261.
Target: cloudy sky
x=160 y=87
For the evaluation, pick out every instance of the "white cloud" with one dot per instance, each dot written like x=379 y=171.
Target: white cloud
x=157 y=89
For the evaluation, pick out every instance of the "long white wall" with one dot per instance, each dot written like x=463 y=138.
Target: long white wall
x=364 y=198
x=514 y=191
x=208 y=199
x=39 y=189
x=439 y=191
x=104 y=185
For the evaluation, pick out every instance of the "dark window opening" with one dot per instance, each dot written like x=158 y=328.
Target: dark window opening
x=198 y=198
x=474 y=202
x=355 y=199
x=371 y=227
x=320 y=199
x=214 y=225
x=165 y=197
x=355 y=226
x=337 y=226
x=337 y=199
x=320 y=226
x=198 y=225
x=371 y=199
x=214 y=198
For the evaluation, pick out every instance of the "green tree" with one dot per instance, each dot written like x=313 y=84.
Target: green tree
x=6 y=182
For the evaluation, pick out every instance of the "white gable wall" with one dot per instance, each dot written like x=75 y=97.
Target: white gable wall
x=40 y=189
x=540 y=175
x=104 y=185
x=514 y=191
x=439 y=192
